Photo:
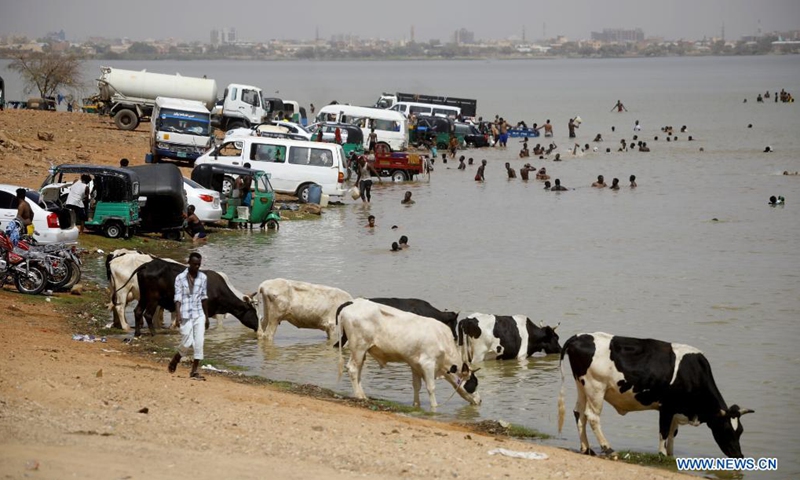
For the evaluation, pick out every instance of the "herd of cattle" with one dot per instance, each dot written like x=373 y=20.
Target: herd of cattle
x=629 y=373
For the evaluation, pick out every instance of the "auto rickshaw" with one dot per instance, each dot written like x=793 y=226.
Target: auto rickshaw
x=352 y=136
x=163 y=211
x=114 y=208
x=437 y=129
x=222 y=177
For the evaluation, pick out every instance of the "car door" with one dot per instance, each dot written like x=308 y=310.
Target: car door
x=6 y=212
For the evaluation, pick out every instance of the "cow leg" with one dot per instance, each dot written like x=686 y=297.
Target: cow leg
x=594 y=407
x=666 y=425
x=137 y=315
x=354 y=367
x=158 y=317
x=151 y=324
x=580 y=419
x=430 y=385
x=673 y=432
x=416 y=381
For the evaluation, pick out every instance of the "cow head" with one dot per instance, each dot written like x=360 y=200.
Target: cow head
x=544 y=339
x=250 y=316
x=727 y=428
x=466 y=383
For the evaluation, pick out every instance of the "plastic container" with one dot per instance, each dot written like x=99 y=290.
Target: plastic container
x=324 y=199
x=314 y=194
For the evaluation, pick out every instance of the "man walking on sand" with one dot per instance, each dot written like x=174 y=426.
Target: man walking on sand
x=191 y=312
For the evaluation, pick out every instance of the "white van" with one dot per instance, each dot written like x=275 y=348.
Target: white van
x=427 y=109
x=294 y=165
x=391 y=127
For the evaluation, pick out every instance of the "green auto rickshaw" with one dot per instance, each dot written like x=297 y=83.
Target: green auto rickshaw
x=222 y=179
x=114 y=203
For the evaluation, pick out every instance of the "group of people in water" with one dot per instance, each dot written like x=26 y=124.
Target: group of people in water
x=783 y=96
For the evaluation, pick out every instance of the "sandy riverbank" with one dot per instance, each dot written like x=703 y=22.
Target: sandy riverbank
x=71 y=409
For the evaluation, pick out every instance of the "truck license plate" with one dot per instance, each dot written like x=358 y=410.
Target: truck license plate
x=181 y=154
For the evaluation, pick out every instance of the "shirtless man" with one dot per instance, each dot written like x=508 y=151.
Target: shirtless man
x=550 y=149
x=511 y=172
x=548 y=129
x=407 y=199
x=572 y=126
x=600 y=183
x=633 y=181
x=619 y=106
x=614 y=184
x=24 y=212
x=479 y=175
x=542 y=174
x=558 y=187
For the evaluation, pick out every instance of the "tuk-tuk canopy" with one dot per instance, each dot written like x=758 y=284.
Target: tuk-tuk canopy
x=119 y=184
x=162 y=185
x=435 y=124
x=211 y=176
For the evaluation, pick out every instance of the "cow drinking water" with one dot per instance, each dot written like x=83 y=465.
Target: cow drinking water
x=504 y=337
x=635 y=374
x=390 y=335
x=157 y=288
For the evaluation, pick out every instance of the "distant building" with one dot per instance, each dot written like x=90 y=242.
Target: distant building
x=462 y=35
x=220 y=36
x=619 y=35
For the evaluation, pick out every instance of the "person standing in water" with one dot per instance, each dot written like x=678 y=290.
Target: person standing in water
x=479 y=176
x=619 y=106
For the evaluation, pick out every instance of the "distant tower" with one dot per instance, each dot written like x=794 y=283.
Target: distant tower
x=544 y=29
x=723 y=31
x=316 y=33
x=412 y=33
x=759 y=27
x=523 y=34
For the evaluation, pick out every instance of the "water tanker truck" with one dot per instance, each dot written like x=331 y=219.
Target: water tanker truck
x=129 y=96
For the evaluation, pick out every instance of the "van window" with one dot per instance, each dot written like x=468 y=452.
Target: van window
x=386 y=125
x=421 y=110
x=315 y=157
x=250 y=97
x=230 y=149
x=268 y=153
x=444 y=111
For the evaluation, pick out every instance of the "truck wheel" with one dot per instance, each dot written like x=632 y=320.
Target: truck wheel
x=113 y=230
x=227 y=186
x=126 y=120
x=399 y=176
x=236 y=124
x=384 y=145
x=441 y=145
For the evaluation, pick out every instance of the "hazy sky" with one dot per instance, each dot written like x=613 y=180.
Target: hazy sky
x=261 y=20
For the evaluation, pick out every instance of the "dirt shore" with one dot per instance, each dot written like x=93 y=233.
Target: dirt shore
x=70 y=408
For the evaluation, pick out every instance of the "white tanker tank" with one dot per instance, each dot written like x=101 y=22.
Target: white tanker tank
x=129 y=96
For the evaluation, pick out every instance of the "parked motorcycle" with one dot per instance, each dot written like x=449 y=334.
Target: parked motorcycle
x=61 y=261
x=27 y=273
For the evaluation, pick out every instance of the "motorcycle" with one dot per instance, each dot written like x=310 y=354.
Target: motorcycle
x=27 y=273
x=61 y=261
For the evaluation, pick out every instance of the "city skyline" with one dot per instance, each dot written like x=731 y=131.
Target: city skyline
x=155 y=20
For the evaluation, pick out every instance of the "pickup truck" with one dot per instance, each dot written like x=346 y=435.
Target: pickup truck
x=400 y=166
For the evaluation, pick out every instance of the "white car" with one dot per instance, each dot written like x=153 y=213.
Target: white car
x=278 y=126
x=50 y=224
x=206 y=202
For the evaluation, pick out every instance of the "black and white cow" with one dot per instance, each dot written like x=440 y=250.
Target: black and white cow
x=635 y=374
x=157 y=289
x=390 y=335
x=504 y=337
x=423 y=309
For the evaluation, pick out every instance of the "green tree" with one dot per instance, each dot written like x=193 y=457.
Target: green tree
x=48 y=72
x=140 y=48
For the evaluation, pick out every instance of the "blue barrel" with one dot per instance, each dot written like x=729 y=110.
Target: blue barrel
x=314 y=193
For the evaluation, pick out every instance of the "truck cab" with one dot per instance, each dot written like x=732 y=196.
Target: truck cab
x=180 y=130
x=386 y=100
x=241 y=107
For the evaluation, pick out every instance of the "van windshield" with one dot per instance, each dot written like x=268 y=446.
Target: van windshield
x=177 y=121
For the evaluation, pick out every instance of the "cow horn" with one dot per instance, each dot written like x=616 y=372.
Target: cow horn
x=556 y=327
x=541 y=323
x=477 y=370
x=746 y=411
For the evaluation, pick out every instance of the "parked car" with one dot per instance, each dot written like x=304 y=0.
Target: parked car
x=278 y=126
x=471 y=135
x=51 y=223
x=206 y=202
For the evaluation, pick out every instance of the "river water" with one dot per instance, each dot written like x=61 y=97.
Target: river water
x=693 y=255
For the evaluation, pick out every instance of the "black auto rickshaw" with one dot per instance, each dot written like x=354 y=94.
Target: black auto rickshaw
x=222 y=177
x=165 y=206
x=114 y=206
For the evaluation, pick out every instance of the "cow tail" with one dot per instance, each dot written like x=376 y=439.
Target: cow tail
x=133 y=274
x=339 y=331
x=561 y=409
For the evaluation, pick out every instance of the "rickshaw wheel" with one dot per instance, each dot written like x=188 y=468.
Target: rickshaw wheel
x=273 y=225
x=113 y=230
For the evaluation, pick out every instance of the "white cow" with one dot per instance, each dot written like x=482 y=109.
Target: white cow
x=390 y=335
x=304 y=305
x=120 y=265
